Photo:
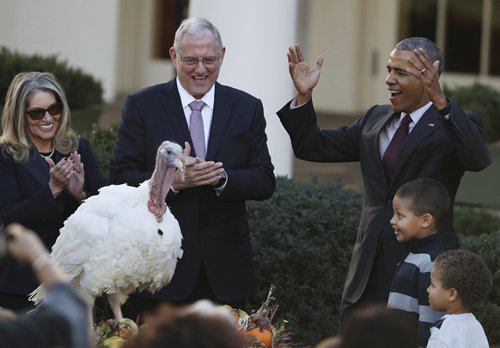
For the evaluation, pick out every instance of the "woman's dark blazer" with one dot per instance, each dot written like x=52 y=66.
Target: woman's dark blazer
x=25 y=198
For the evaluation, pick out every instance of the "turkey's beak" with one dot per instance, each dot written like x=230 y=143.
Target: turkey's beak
x=174 y=160
x=178 y=164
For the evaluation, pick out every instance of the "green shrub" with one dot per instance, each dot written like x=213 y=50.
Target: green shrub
x=471 y=222
x=483 y=100
x=103 y=146
x=303 y=238
x=82 y=90
x=488 y=315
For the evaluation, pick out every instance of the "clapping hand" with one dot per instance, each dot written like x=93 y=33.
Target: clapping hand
x=304 y=78
x=77 y=178
x=60 y=174
x=197 y=172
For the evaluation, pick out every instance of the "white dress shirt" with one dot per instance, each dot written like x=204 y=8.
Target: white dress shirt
x=206 y=112
x=388 y=132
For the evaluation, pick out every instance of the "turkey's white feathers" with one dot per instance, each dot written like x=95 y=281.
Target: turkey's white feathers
x=112 y=244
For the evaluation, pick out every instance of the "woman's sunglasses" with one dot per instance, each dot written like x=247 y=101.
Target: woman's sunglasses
x=39 y=113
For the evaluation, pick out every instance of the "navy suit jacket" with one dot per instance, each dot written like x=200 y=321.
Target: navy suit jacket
x=25 y=198
x=435 y=148
x=215 y=228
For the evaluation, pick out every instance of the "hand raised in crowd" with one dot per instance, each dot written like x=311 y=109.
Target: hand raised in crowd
x=427 y=72
x=24 y=245
x=77 y=179
x=197 y=172
x=60 y=174
x=304 y=78
x=27 y=248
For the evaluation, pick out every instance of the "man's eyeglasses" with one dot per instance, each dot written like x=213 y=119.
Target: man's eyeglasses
x=206 y=61
x=39 y=113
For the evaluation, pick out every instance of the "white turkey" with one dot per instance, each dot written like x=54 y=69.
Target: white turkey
x=123 y=239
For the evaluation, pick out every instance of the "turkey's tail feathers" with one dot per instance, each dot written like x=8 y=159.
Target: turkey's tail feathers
x=73 y=272
x=37 y=295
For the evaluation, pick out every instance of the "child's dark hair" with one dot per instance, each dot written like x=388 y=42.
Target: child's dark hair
x=427 y=196
x=377 y=326
x=467 y=273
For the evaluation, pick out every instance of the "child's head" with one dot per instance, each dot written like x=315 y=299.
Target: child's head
x=420 y=207
x=198 y=325
x=459 y=280
x=377 y=326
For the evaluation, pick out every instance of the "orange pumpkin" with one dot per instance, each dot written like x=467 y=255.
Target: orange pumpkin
x=264 y=336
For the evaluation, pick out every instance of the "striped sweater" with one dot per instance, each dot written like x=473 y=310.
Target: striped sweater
x=410 y=283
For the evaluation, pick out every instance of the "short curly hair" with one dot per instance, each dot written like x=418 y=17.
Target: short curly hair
x=467 y=273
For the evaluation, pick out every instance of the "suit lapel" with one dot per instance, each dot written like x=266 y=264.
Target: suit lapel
x=176 y=117
x=424 y=127
x=37 y=167
x=220 y=119
x=374 y=136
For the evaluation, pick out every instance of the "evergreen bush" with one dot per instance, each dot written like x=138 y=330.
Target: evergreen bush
x=82 y=90
x=102 y=142
x=483 y=100
x=303 y=238
x=470 y=222
x=488 y=315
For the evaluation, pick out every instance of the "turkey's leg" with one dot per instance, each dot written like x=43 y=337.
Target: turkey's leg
x=90 y=309
x=114 y=303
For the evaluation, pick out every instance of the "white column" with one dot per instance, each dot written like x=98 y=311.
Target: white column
x=256 y=35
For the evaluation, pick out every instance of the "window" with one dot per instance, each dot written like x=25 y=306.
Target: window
x=169 y=15
x=468 y=31
x=495 y=39
x=418 y=16
x=463 y=35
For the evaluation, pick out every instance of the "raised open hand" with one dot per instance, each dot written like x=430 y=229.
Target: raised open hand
x=304 y=77
x=427 y=72
x=25 y=246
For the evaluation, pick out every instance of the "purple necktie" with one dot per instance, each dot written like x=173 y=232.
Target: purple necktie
x=196 y=128
x=392 y=153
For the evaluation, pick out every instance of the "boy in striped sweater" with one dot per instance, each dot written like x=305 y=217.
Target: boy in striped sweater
x=420 y=207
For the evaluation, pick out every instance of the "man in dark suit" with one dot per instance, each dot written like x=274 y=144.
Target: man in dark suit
x=225 y=127
x=420 y=134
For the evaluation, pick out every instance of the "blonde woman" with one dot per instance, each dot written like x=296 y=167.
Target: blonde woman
x=45 y=171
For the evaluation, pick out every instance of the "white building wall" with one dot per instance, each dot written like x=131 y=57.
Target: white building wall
x=355 y=36
x=334 y=31
x=84 y=32
x=256 y=35
x=380 y=35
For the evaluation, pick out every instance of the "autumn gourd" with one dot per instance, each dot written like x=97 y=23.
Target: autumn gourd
x=264 y=336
